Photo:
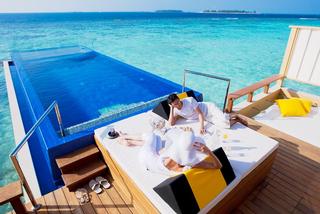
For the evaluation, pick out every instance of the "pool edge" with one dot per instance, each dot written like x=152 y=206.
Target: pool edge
x=24 y=157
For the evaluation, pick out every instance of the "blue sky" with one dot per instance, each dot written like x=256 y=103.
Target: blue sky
x=264 y=6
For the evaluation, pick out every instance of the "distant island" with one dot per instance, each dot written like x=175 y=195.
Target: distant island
x=230 y=11
x=169 y=11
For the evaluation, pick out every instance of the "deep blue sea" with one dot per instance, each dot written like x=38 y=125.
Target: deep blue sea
x=244 y=48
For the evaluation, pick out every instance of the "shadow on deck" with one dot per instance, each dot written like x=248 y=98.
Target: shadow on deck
x=293 y=184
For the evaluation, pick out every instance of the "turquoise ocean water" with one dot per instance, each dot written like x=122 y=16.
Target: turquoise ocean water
x=243 y=48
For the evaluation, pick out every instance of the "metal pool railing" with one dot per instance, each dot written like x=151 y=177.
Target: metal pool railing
x=113 y=116
x=15 y=152
x=209 y=76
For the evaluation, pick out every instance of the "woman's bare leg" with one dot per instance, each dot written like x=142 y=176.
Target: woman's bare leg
x=130 y=140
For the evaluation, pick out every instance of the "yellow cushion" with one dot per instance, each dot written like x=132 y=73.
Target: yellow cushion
x=294 y=107
x=206 y=184
x=182 y=95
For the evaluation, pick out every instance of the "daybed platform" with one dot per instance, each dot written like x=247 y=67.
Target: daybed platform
x=264 y=110
x=251 y=155
x=304 y=128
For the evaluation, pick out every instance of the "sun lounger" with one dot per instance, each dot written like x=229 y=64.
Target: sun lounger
x=250 y=154
x=301 y=64
x=304 y=128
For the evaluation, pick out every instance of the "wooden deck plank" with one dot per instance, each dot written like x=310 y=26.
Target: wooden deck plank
x=294 y=163
x=51 y=203
x=268 y=200
x=296 y=183
x=260 y=196
x=288 y=206
x=284 y=190
x=125 y=199
x=118 y=201
x=309 y=207
x=246 y=210
x=254 y=207
x=88 y=208
x=306 y=162
x=300 y=175
x=300 y=191
x=265 y=197
x=62 y=202
x=72 y=201
x=296 y=211
x=267 y=208
x=43 y=209
x=96 y=202
x=108 y=203
x=237 y=212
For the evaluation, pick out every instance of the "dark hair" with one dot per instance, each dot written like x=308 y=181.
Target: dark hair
x=172 y=98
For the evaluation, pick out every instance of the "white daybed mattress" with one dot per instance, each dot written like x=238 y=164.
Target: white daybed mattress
x=245 y=148
x=304 y=128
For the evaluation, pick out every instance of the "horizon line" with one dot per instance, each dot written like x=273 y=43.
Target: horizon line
x=155 y=11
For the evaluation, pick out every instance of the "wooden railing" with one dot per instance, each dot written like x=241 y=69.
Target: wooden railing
x=12 y=193
x=251 y=89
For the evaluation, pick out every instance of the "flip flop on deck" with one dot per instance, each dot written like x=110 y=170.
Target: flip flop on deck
x=103 y=182
x=95 y=186
x=82 y=195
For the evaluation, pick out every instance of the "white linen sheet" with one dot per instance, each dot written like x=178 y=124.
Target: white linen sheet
x=304 y=128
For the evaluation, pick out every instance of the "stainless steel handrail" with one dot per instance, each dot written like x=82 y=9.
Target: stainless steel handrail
x=209 y=76
x=14 y=153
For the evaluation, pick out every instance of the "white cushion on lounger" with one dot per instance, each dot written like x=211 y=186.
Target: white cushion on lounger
x=304 y=128
x=245 y=148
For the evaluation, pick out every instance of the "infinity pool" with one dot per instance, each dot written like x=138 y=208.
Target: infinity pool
x=86 y=84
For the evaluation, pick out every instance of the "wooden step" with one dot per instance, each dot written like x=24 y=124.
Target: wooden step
x=81 y=175
x=76 y=158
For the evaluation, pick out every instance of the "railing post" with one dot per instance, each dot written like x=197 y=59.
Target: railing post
x=56 y=109
x=266 y=89
x=250 y=97
x=230 y=105
x=14 y=153
x=25 y=184
x=184 y=80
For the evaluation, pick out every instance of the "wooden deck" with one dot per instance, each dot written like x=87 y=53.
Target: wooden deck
x=292 y=186
x=63 y=201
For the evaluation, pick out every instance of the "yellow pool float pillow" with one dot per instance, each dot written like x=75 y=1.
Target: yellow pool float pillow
x=294 y=107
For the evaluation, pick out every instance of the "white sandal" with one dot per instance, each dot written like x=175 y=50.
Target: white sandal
x=95 y=186
x=103 y=182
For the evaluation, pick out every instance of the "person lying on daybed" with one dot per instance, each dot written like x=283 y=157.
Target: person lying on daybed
x=190 y=109
x=178 y=156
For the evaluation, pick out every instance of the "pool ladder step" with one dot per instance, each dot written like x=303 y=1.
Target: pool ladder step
x=80 y=166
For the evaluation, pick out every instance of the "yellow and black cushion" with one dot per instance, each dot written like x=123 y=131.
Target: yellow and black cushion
x=192 y=190
x=163 y=109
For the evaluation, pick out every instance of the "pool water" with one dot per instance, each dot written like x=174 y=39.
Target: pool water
x=86 y=84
